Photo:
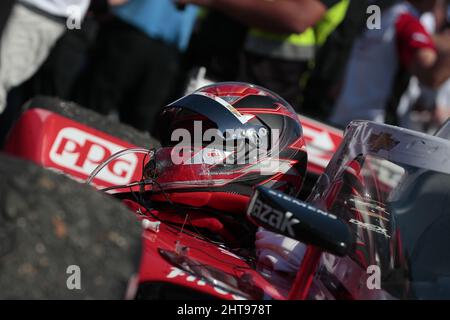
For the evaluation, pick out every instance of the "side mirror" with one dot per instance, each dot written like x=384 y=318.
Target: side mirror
x=280 y=213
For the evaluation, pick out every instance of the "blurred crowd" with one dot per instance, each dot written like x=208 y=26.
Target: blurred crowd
x=333 y=60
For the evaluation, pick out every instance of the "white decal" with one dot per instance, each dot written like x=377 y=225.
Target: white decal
x=175 y=272
x=82 y=152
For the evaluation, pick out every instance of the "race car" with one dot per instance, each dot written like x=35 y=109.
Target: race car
x=318 y=215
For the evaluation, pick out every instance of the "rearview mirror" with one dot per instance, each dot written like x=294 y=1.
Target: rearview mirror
x=280 y=213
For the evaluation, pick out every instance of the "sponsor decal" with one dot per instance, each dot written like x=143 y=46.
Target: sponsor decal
x=370 y=227
x=382 y=141
x=302 y=204
x=274 y=218
x=188 y=155
x=82 y=152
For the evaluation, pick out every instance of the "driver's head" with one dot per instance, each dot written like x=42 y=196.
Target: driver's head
x=222 y=141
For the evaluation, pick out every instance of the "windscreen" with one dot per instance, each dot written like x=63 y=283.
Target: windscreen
x=392 y=187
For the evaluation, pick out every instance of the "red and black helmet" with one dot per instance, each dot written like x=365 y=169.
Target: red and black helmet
x=222 y=141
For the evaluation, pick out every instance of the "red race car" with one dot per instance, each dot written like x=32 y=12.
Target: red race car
x=239 y=198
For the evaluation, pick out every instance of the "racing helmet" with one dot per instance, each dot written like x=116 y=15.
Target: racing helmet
x=222 y=141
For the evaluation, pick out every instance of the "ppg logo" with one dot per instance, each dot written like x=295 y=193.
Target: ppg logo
x=83 y=152
x=282 y=222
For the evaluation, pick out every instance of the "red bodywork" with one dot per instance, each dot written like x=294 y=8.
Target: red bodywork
x=61 y=144
x=322 y=141
x=56 y=142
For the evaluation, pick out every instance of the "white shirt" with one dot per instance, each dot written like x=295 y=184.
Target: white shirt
x=61 y=8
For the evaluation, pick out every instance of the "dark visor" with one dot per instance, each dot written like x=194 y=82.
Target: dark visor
x=225 y=116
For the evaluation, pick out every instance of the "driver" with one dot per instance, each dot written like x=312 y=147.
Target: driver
x=218 y=144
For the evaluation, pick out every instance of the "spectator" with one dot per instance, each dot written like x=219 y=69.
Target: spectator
x=281 y=40
x=136 y=60
x=31 y=31
x=401 y=43
x=280 y=59
x=325 y=78
x=58 y=74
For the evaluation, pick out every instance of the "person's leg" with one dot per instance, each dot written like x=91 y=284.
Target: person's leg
x=26 y=42
x=159 y=65
x=112 y=68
